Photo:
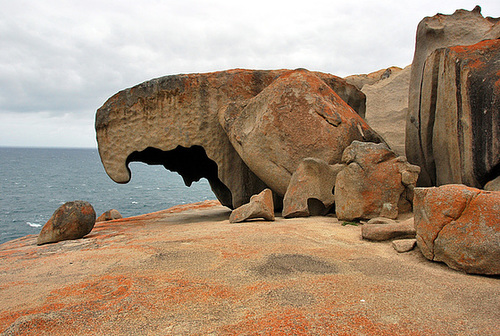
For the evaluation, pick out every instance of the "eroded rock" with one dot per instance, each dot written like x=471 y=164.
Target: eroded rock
x=260 y=206
x=375 y=183
x=72 y=220
x=427 y=85
x=310 y=192
x=297 y=116
x=460 y=226
x=173 y=121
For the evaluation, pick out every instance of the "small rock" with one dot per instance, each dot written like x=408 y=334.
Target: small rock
x=260 y=206
x=388 y=230
x=404 y=245
x=72 y=220
x=109 y=215
x=314 y=179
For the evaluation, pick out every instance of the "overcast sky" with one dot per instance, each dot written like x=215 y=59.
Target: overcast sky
x=61 y=60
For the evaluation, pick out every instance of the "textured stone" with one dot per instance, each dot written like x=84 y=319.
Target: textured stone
x=493 y=185
x=387 y=106
x=404 y=245
x=439 y=31
x=297 y=116
x=374 y=183
x=380 y=230
x=460 y=226
x=310 y=191
x=72 y=220
x=260 y=206
x=173 y=121
x=460 y=95
x=109 y=215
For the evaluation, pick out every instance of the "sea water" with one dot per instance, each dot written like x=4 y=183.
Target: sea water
x=34 y=182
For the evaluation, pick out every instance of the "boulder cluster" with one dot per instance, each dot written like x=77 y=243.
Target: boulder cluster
x=309 y=143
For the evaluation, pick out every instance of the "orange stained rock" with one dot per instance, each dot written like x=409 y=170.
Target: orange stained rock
x=190 y=272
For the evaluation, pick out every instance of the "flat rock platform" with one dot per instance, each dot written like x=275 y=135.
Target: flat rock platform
x=188 y=271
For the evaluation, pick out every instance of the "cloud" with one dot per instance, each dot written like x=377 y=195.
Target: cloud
x=65 y=58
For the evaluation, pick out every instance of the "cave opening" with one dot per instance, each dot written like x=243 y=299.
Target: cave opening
x=192 y=163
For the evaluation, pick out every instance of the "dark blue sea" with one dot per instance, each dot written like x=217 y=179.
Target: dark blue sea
x=34 y=182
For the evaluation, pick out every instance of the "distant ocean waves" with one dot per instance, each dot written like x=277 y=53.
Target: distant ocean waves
x=34 y=182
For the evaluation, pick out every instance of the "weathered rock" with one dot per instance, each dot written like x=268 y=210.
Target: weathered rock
x=173 y=121
x=109 y=215
x=404 y=245
x=387 y=106
x=296 y=117
x=72 y=220
x=439 y=31
x=380 y=230
x=375 y=183
x=493 y=185
x=360 y=81
x=260 y=206
x=310 y=192
x=460 y=226
x=460 y=95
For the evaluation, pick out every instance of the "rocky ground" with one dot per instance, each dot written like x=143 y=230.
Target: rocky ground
x=187 y=271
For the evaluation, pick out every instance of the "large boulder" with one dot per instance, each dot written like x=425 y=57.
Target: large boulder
x=375 y=183
x=72 y=220
x=460 y=96
x=173 y=121
x=439 y=31
x=297 y=116
x=460 y=226
x=310 y=192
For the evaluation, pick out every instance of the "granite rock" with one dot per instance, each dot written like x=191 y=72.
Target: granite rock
x=260 y=206
x=72 y=220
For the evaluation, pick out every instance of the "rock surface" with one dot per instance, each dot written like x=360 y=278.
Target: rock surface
x=260 y=206
x=439 y=31
x=187 y=271
x=297 y=116
x=493 y=185
x=109 y=215
x=404 y=245
x=173 y=121
x=375 y=183
x=460 y=99
x=72 y=220
x=379 y=229
x=310 y=192
x=459 y=226
x=387 y=107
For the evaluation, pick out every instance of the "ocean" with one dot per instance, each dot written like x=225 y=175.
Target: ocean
x=34 y=182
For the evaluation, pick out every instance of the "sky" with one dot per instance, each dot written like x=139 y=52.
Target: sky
x=61 y=60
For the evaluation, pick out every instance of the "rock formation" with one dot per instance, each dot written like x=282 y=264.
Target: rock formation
x=260 y=206
x=375 y=183
x=387 y=105
x=310 y=192
x=459 y=225
x=72 y=220
x=109 y=215
x=439 y=31
x=173 y=121
x=297 y=116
